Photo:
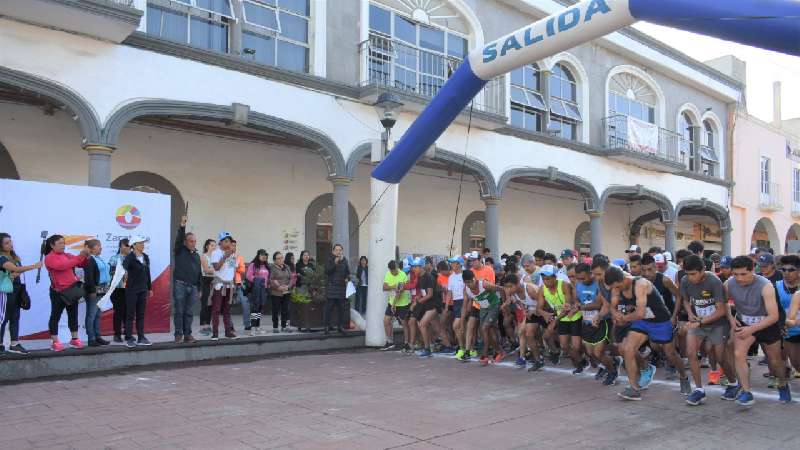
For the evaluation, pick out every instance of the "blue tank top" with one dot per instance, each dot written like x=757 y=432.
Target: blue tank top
x=587 y=293
x=785 y=297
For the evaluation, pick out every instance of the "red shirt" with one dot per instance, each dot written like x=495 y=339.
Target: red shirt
x=60 y=266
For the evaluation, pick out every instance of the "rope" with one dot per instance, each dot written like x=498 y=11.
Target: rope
x=461 y=178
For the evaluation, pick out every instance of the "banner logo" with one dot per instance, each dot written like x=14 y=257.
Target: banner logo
x=128 y=217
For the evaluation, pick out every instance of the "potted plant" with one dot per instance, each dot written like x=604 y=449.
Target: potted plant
x=308 y=301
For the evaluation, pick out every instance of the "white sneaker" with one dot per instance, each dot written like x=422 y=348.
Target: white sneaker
x=250 y=332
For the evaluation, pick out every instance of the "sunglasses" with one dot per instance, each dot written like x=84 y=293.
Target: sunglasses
x=788 y=269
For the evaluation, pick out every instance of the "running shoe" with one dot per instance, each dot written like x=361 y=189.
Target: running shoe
x=203 y=332
x=484 y=361
x=686 y=386
x=785 y=394
x=18 y=349
x=696 y=398
x=499 y=357
x=536 y=366
x=646 y=376
x=130 y=343
x=465 y=358
x=611 y=378
x=600 y=374
x=731 y=392
x=214 y=337
x=57 y=346
x=630 y=394
x=425 y=353
x=745 y=398
x=714 y=376
x=520 y=364
x=144 y=341
x=555 y=358
x=460 y=353
x=579 y=370
x=407 y=350
x=75 y=343
x=473 y=353
x=387 y=346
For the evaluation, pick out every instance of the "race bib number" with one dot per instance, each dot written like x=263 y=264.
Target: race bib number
x=484 y=304
x=588 y=316
x=751 y=320
x=707 y=311
x=648 y=314
x=622 y=308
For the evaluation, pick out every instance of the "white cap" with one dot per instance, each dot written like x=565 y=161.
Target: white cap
x=667 y=256
x=754 y=250
x=659 y=258
x=138 y=238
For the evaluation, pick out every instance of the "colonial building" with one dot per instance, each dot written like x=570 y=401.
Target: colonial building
x=260 y=114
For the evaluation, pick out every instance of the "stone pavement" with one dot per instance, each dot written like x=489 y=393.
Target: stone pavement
x=369 y=399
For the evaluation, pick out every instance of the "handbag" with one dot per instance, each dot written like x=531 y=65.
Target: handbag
x=6 y=285
x=23 y=299
x=72 y=294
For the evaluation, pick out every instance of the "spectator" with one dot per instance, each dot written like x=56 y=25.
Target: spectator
x=362 y=275
x=258 y=276
x=137 y=290
x=96 y=278
x=188 y=277
x=303 y=268
x=65 y=289
x=10 y=302
x=238 y=278
x=338 y=272
x=118 y=294
x=292 y=265
x=223 y=260
x=280 y=285
x=208 y=277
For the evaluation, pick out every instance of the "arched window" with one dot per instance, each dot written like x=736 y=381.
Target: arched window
x=708 y=152
x=473 y=232
x=686 y=128
x=564 y=112
x=527 y=103
x=630 y=96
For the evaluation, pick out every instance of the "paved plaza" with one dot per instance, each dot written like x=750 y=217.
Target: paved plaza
x=368 y=399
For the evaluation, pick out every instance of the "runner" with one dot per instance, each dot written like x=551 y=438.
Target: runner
x=652 y=270
x=423 y=311
x=756 y=321
x=538 y=257
x=565 y=321
x=484 y=307
x=398 y=306
x=530 y=329
x=635 y=265
x=445 y=328
x=787 y=291
x=650 y=321
x=703 y=297
x=595 y=321
x=455 y=296
x=599 y=266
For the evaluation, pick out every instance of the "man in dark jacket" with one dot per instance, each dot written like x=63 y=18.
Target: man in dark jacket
x=187 y=283
x=137 y=290
x=338 y=272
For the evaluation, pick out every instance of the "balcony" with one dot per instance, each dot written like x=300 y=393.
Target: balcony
x=109 y=20
x=416 y=75
x=644 y=145
x=770 y=197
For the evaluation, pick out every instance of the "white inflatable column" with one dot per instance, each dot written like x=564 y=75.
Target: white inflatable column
x=382 y=242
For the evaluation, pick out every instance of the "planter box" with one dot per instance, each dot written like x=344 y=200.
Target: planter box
x=306 y=316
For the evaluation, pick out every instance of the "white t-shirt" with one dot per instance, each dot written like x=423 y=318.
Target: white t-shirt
x=455 y=284
x=672 y=273
x=226 y=272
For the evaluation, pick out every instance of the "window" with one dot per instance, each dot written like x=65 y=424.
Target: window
x=275 y=33
x=796 y=186
x=630 y=96
x=564 y=112
x=765 y=174
x=686 y=130
x=411 y=56
x=199 y=23
x=709 y=129
x=477 y=236
x=527 y=103
x=708 y=154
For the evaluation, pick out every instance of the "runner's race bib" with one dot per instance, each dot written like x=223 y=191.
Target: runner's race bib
x=751 y=320
x=588 y=316
x=487 y=299
x=707 y=311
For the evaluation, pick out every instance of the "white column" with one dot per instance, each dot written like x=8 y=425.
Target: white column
x=382 y=242
x=596 y=231
x=492 y=226
x=341 y=214
x=99 y=165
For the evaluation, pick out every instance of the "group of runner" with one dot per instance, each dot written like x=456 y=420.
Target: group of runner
x=634 y=313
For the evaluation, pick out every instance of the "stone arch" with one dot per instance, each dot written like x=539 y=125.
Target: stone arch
x=704 y=207
x=639 y=192
x=79 y=107
x=768 y=227
x=694 y=113
x=581 y=243
x=638 y=223
x=158 y=183
x=7 y=167
x=471 y=218
x=584 y=187
x=792 y=232
x=316 y=140
x=582 y=80
x=661 y=108
x=312 y=213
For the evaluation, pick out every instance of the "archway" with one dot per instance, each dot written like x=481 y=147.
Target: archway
x=635 y=195
x=7 y=167
x=765 y=235
x=792 y=239
x=473 y=232
x=319 y=229
x=151 y=182
x=583 y=239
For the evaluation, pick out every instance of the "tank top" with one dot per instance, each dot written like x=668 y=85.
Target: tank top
x=785 y=298
x=656 y=309
x=666 y=294
x=749 y=302
x=587 y=293
x=472 y=296
x=530 y=302
x=557 y=300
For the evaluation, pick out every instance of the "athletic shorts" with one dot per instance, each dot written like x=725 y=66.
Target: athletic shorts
x=769 y=335
x=620 y=332
x=456 y=308
x=715 y=333
x=793 y=339
x=658 y=332
x=476 y=313
x=538 y=320
x=573 y=328
x=488 y=316
x=401 y=312
x=596 y=335
x=421 y=308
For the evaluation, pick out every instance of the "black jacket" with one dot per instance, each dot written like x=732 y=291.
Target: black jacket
x=91 y=276
x=336 y=286
x=365 y=271
x=138 y=274
x=187 y=263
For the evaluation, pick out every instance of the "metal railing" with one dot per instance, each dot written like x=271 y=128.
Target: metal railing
x=671 y=146
x=770 y=197
x=396 y=64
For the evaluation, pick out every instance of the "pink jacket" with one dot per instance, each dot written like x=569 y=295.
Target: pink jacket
x=60 y=266
x=252 y=274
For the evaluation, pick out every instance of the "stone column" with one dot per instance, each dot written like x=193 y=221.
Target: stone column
x=99 y=165
x=726 y=241
x=492 y=225
x=669 y=236
x=544 y=77
x=596 y=231
x=341 y=213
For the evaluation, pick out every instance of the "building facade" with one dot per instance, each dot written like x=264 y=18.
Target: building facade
x=259 y=113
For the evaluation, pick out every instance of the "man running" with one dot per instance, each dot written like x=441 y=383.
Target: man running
x=599 y=266
x=424 y=311
x=703 y=298
x=482 y=301
x=565 y=322
x=596 y=325
x=650 y=321
x=530 y=327
x=445 y=328
x=652 y=269
x=455 y=296
x=399 y=300
x=787 y=293
x=756 y=321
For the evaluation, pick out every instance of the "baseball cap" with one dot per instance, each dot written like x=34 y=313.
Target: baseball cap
x=138 y=238
x=634 y=249
x=567 y=253
x=417 y=262
x=667 y=255
x=725 y=262
x=456 y=259
x=618 y=262
x=548 y=271
x=224 y=235
x=754 y=250
x=471 y=255
x=659 y=259
x=765 y=259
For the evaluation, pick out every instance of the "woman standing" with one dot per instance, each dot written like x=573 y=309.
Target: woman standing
x=118 y=294
x=338 y=273
x=258 y=276
x=280 y=283
x=303 y=268
x=137 y=291
x=362 y=275
x=208 y=277
x=96 y=277
x=10 y=302
x=65 y=289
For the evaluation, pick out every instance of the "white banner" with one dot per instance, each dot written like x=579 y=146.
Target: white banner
x=642 y=136
x=32 y=209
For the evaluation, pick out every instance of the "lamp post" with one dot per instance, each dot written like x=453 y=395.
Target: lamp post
x=382 y=226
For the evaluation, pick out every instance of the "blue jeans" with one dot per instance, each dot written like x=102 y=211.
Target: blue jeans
x=92 y=323
x=245 y=302
x=184 y=296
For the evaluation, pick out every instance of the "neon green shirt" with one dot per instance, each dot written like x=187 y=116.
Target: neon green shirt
x=392 y=281
x=557 y=301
